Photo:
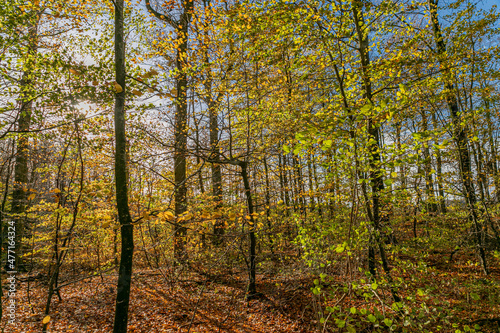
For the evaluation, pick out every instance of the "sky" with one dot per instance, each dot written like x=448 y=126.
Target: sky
x=487 y=4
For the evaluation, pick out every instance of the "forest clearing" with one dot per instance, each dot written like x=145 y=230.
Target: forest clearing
x=250 y=166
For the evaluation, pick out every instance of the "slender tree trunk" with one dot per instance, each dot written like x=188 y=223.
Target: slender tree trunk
x=20 y=187
x=216 y=171
x=127 y=231
x=376 y=171
x=461 y=139
x=439 y=171
x=316 y=182
x=429 y=182
x=312 y=203
x=493 y=153
x=402 y=171
x=268 y=203
x=2 y=209
x=198 y=153
x=181 y=28
x=252 y=289
x=281 y=177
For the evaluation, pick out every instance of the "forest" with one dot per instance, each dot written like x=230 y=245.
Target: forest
x=250 y=166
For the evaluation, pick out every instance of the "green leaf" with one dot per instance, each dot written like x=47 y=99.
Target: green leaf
x=394 y=174
x=327 y=144
x=340 y=323
x=475 y=296
x=286 y=149
x=388 y=322
x=374 y=286
x=372 y=318
x=353 y=310
x=366 y=108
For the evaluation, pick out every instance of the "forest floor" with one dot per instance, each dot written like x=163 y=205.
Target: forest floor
x=216 y=303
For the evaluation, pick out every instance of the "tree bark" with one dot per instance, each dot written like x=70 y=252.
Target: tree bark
x=216 y=171
x=20 y=187
x=127 y=232
x=252 y=289
x=376 y=170
x=461 y=139
x=181 y=28
x=439 y=172
x=429 y=182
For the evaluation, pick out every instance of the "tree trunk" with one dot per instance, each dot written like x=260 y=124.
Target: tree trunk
x=127 y=231
x=493 y=154
x=429 y=182
x=461 y=139
x=20 y=187
x=439 y=171
x=216 y=171
x=181 y=28
x=252 y=289
x=376 y=170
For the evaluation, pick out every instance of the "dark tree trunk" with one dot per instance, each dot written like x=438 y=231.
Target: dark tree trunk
x=252 y=289
x=461 y=139
x=268 y=203
x=402 y=172
x=20 y=187
x=493 y=153
x=429 y=182
x=312 y=203
x=376 y=170
x=127 y=232
x=216 y=171
x=181 y=28
x=439 y=171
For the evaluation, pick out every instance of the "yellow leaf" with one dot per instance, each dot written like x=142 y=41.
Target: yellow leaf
x=31 y=196
x=169 y=216
x=205 y=215
x=232 y=215
x=118 y=87
x=151 y=90
x=188 y=217
x=145 y=216
x=72 y=71
x=46 y=320
x=137 y=92
x=216 y=215
x=56 y=190
x=105 y=224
